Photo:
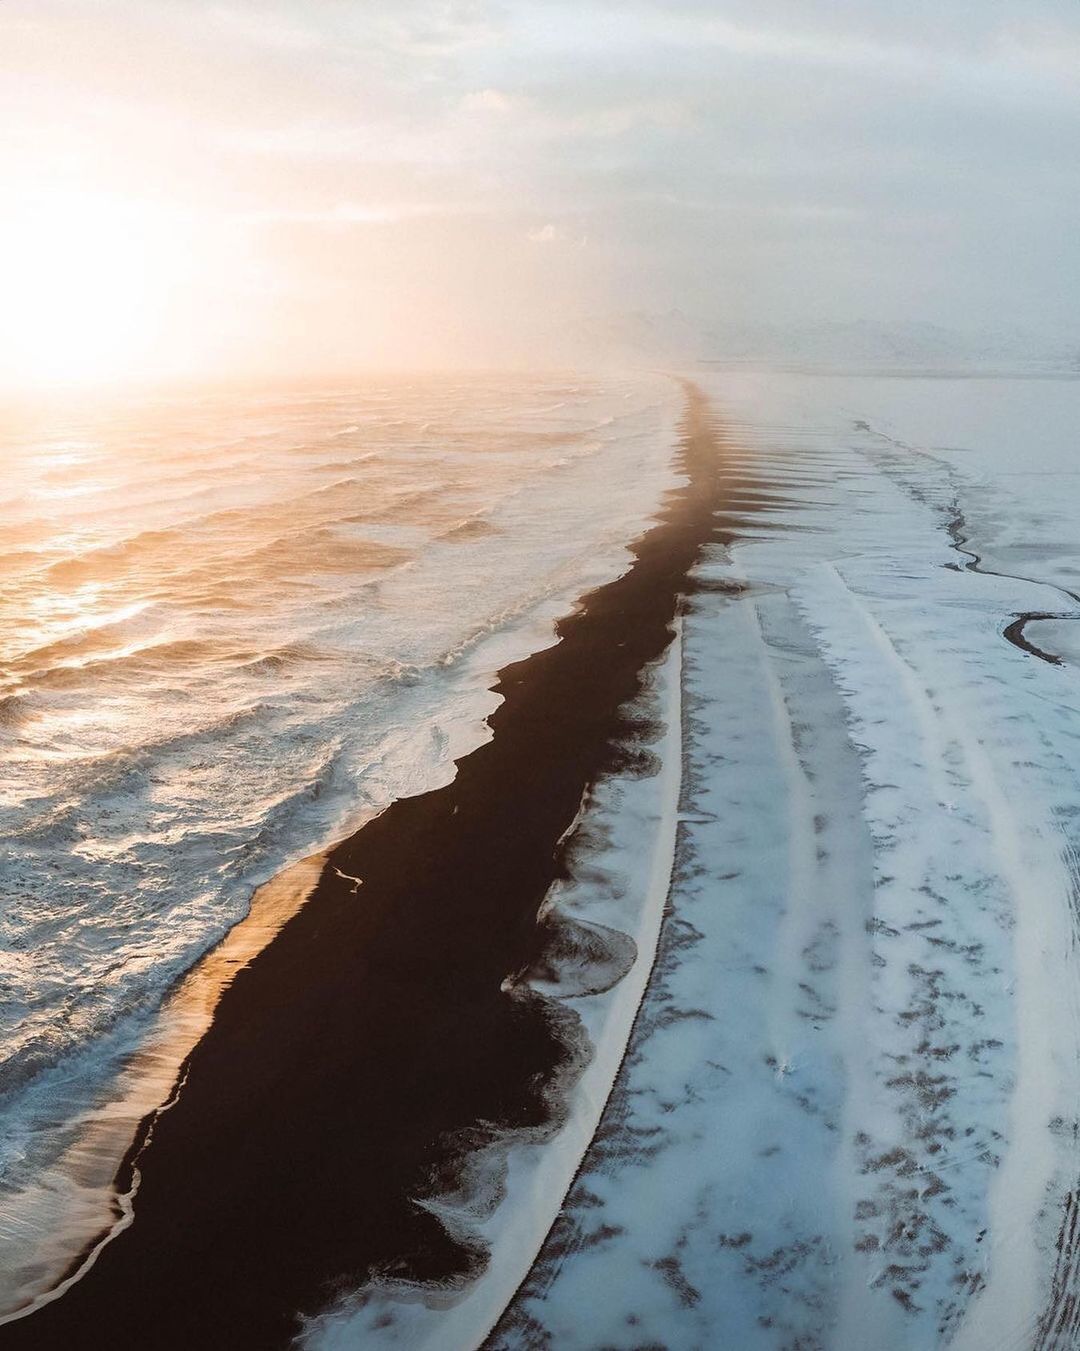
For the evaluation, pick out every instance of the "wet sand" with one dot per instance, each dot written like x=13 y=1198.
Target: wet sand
x=348 y=1061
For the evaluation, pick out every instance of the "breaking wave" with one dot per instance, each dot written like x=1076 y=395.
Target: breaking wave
x=232 y=626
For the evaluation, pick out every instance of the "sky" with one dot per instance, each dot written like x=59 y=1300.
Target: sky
x=316 y=185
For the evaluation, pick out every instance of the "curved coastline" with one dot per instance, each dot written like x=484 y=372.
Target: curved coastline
x=349 y=1062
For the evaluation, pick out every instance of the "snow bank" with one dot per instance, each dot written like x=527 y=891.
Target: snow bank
x=848 y=1114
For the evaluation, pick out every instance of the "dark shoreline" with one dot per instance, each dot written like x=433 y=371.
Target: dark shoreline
x=351 y=1060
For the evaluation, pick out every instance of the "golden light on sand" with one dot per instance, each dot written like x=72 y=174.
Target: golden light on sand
x=86 y=281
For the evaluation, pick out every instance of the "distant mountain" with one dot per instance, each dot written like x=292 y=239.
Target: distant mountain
x=676 y=337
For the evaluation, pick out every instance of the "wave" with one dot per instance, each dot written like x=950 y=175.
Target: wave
x=112 y=630
x=328 y=551
x=476 y=527
x=12 y=708
x=170 y=658
x=232 y=658
x=337 y=466
x=106 y=560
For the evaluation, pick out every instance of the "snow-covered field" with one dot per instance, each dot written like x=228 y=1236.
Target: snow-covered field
x=850 y=1113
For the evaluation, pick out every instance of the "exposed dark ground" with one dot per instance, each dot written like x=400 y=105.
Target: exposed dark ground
x=347 y=1059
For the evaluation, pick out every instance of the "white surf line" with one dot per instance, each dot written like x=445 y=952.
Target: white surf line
x=125 y=1204
x=540 y=1174
x=73 y=1211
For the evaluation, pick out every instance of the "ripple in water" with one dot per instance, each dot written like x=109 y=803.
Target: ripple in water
x=232 y=624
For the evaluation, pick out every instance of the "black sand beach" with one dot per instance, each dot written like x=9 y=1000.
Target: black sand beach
x=346 y=1061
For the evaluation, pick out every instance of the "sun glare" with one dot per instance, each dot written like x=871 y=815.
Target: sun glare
x=86 y=281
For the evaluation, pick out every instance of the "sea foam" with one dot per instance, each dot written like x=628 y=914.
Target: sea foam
x=221 y=648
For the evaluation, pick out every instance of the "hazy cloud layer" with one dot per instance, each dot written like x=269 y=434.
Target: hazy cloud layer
x=363 y=181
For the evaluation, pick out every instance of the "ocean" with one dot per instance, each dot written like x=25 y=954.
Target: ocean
x=233 y=625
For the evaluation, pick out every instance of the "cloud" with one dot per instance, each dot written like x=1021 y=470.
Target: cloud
x=544 y=234
x=810 y=159
x=345 y=214
x=486 y=101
